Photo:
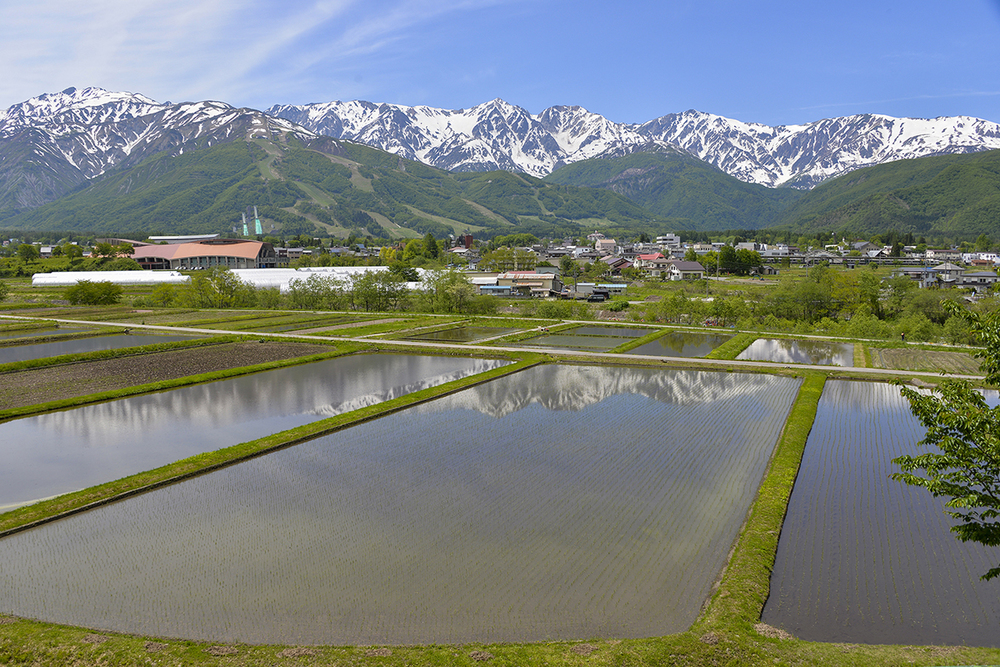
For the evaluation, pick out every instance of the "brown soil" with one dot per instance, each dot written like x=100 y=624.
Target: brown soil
x=30 y=387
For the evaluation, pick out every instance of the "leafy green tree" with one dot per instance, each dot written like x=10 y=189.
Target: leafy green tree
x=4 y=291
x=448 y=291
x=414 y=248
x=104 y=249
x=431 y=247
x=28 y=252
x=376 y=291
x=101 y=293
x=218 y=288
x=964 y=434
x=317 y=292
x=162 y=295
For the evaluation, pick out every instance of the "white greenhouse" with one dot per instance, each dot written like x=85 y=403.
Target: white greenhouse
x=69 y=278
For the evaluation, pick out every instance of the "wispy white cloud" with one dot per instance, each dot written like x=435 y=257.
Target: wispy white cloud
x=198 y=49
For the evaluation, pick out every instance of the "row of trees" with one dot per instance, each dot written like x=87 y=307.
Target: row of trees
x=447 y=291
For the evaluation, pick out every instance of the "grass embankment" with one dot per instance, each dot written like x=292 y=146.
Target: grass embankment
x=642 y=340
x=862 y=356
x=732 y=347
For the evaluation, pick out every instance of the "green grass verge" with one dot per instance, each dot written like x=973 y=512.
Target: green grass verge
x=862 y=357
x=55 y=337
x=654 y=334
x=732 y=347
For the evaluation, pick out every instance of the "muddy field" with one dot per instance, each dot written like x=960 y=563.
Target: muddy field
x=22 y=388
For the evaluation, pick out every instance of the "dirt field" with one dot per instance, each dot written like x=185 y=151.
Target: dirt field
x=30 y=387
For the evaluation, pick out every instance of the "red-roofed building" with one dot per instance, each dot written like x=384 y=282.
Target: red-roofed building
x=231 y=253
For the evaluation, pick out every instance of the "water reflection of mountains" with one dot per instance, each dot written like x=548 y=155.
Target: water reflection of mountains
x=320 y=390
x=574 y=388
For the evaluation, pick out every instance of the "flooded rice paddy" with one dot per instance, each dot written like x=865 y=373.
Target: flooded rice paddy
x=81 y=345
x=462 y=334
x=686 y=344
x=585 y=338
x=64 y=451
x=557 y=503
x=866 y=559
x=32 y=333
x=817 y=352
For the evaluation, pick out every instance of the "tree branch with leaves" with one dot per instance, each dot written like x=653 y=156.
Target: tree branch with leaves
x=963 y=433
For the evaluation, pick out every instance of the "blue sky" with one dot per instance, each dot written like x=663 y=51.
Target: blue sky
x=768 y=61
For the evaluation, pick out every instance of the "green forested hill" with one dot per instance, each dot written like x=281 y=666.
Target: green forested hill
x=950 y=195
x=678 y=186
x=327 y=187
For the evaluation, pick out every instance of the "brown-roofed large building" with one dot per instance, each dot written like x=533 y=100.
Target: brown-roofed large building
x=207 y=253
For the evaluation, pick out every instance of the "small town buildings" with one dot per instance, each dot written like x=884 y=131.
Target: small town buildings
x=533 y=284
x=680 y=270
x=981 y=281
x=605 y=246
x=645 y=262
x=949 y=275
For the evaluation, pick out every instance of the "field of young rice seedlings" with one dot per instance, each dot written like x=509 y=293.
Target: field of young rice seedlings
x=68 y=450
x=865 y=559
x=511 y=511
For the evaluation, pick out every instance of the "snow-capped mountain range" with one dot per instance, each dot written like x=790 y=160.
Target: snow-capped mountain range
x=52 y=143
x=498 y=135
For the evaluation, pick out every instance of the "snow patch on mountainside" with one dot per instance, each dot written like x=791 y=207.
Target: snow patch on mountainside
x=499 y=135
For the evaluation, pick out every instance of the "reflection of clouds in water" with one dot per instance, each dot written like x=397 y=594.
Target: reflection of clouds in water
x=367 y=400
x=576 y=387
x=324 y=389
x=785 y=351
x=860 y=396
x=442 y=526
x=64 y=451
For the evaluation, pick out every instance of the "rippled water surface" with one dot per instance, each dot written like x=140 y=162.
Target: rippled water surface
x=863 y=558
x=556 y=503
